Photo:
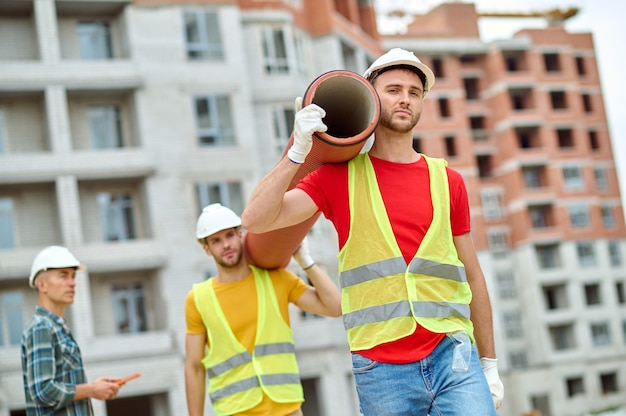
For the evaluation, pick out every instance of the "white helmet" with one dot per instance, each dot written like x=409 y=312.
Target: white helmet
x=398 y=56
x=215 y=218
x=52 y=257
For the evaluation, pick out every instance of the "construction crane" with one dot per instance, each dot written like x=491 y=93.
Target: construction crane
x=552 y=15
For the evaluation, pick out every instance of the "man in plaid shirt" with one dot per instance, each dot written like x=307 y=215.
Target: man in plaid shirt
x=52 y=366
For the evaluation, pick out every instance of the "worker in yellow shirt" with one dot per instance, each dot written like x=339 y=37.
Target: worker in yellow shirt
x=238 y=331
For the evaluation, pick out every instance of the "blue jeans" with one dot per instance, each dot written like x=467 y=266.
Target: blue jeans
x=427 y=387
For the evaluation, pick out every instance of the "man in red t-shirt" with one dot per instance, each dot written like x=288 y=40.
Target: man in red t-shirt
x=415 y=351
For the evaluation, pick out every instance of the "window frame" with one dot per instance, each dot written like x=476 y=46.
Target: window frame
x=118 y=214
x=94 y=39
x=219 y=114
x=210 y=44
x=223 y=193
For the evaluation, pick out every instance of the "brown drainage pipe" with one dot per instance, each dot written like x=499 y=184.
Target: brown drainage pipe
x=352 y=112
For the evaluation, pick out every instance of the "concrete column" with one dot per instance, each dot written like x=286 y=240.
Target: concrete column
x=336 y=391
x=47 y=31
x=57 y=115
x=68 y=202
x=82 y=314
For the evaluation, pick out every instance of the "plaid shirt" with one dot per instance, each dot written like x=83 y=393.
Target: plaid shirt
x=52 y=367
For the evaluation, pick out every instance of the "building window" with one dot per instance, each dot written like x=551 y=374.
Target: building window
x=518 y=360
x=555 y=297
x=551 y=62
x=558 y=100
x=620 y=293
x=609 y=383
x=203 y=35
x=477 y=122
x=521 y=98
x=615 y=254
x=505 y=282
x=528 y=137
x=592 y=294
x=471 y=88
x=117 y=214
x=11 y=318
x=478 y=126
x=565 y=138
x=534 y=176
x=214 y=121
x=562 y=337
x=129 y=308
x=484 y=166
x=541 y=216
x=573 y=177
x=7 y=238
x=601 y=178
x=594 y=143
x=283 y=126
x=497 y=240
x=579 y=215
x=514 y=61
x=512 y=321
x=587 y=106
x=548 y=256
x=586 y=254
x=228 y=194
x=105 y=126
x=580 y=66
x=575 y=386
x=444 y=107
x=607 y=216
x=600 y=334
x=438 y=67
x=491 y=201
x=349 y=56
x=450 y=146
x=275 y=51
x=94 y=38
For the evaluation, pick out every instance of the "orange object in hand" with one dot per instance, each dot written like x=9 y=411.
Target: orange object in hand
x=126 y=379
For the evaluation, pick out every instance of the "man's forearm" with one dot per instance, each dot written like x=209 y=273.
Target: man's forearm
x=263 y=207
x=195 y=388
x=326 y=290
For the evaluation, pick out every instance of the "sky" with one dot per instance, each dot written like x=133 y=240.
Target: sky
x=605 y=19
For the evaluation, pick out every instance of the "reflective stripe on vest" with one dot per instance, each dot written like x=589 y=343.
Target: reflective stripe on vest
x=382 y=296
x=244 y=357
x=237 y=378
x=252 y=382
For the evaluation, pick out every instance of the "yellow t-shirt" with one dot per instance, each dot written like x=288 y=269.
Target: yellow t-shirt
x=239 y=303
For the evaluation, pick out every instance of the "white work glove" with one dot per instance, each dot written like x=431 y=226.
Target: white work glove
x=490 y=368
x=308 y=120
x=302 y=255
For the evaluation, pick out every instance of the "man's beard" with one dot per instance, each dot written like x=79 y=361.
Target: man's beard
x=386 y=120
x=229 y=264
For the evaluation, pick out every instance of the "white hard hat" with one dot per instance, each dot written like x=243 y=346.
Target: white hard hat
x=52 y=257
x=215 y=218
x=398 y=56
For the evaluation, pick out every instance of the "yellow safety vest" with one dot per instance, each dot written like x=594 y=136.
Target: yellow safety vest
x=382 y=296
x=237 y=379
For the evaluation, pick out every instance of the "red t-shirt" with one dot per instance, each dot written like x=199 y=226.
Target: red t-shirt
x=406 y=188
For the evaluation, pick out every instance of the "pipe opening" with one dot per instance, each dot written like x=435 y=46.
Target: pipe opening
x=351 y=104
